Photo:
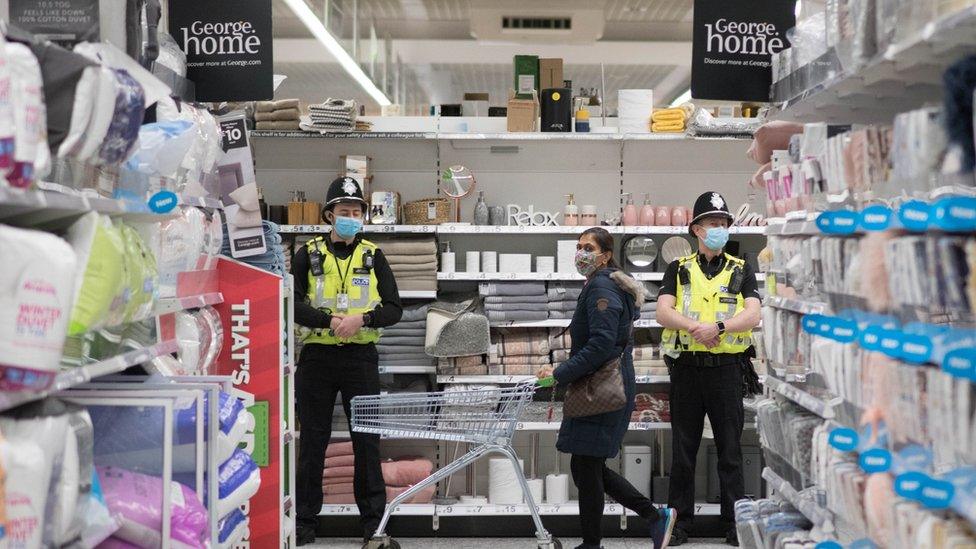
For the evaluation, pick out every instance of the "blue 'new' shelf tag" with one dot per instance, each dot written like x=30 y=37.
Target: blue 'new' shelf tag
x=843 y=439
x=875 y=460
x=163 y=202
x=916 y=348
x=829 y=544
x=870 y=339
x=890 y=343
x=825 y=222
x=914 y=215
x=909 y=485
x=955 y=214
x=936 y=494
x=876 y=217
x=811 y=323
x=961 y=363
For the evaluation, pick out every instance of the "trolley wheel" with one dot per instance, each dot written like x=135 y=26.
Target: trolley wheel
x=380 y=544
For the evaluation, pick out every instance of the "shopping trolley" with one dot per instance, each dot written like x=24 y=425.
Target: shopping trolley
x=482 y=417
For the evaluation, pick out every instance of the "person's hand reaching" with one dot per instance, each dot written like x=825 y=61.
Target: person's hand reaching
x=544 y=372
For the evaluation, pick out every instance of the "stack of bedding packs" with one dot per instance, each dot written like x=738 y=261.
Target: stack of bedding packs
x=648 y=362
x=334 y=115
x=560 y=345
x=399 y=474
x=413 y=261
x=277 y=115
x=519 y=352
x=562 y=299
x=403 y=343
x=515 y=302
x=652 y=408
x=649 y=309
x=463 y=365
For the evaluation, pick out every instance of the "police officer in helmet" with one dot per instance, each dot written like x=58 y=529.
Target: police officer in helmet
x=344 y=293
x=708 y=304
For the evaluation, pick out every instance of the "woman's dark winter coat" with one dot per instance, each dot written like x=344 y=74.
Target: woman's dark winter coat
x=601 y=330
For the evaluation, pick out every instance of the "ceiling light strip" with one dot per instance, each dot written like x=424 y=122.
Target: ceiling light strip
x=320 y=33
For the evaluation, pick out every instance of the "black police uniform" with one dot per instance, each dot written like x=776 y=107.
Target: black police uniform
x=323 y=371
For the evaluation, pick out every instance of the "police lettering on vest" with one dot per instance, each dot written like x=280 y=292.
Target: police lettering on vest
x=351 y=280
x=708 y=301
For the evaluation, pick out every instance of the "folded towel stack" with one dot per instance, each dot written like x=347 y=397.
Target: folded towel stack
x=283 y=114
x=652 y=408
x=671 y=120
x=273 y=259
x=398 y=474
x=403 y=343
x=463 y=365
x=520 y=352
x=457 y=415
x=334 y=115
x=413 y=261
x=648 y=362
x=515 y=302
x=562 y=299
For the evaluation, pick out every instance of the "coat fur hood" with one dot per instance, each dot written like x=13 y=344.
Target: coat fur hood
x=628 y=284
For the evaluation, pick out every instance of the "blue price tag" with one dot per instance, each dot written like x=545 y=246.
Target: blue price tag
x=863 y=543
x=830 y=544
x=936 y=494
x=916 y=348
x=876 y=217
x=843 y=330
x=909 y=485
x=843 y=439
x=811 y=323
x=875 y=460
x=870 y=339
x=890 y=343
x=825 y=222
x=163 y=202
x=961 y=363
x=914 y=215
x=955 y=214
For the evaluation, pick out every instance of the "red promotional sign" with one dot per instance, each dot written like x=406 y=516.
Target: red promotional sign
x=252 y=316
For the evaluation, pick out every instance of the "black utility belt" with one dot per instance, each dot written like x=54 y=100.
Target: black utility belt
x=708 y=360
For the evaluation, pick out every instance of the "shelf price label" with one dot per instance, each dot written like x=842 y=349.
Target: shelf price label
x=915 y=215
x=876 y=217
x=961 y=363
x=163 y=202
x=875 y=460
x=829 y=544
x=909 y=485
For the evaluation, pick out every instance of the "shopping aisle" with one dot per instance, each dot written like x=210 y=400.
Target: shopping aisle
x=509 y=543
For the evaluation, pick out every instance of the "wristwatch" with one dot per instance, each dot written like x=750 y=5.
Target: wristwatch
x=367 y=319
x=721 y=327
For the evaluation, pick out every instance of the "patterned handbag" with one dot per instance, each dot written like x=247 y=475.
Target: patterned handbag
x=598 y=393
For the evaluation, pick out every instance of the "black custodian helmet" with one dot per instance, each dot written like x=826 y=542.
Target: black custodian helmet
x=344 y=189
x=710 y=204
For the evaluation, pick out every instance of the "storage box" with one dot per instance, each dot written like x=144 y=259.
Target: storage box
x=550 y=73
x=358 y=168
x=526 y=75
x=384 y=208
x=523 y=114
x=475 y=104
x=637 y=468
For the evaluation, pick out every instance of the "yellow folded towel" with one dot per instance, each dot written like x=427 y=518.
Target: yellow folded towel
x=668 y=115
x=662 y=127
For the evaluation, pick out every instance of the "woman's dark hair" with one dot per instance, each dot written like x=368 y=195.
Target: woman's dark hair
x=605 y=241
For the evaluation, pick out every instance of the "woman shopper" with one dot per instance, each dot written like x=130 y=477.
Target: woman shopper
x=601 y=331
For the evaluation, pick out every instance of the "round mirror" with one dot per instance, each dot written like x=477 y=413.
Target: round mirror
x=457 y=182
x=675 y=247
x=640 y=252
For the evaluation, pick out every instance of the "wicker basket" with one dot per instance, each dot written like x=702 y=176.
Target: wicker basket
x=419 y=212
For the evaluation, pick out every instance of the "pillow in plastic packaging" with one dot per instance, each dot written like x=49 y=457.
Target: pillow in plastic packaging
x=6 y=113
x=36 y=296
x=98 y=284
x=161 y=148
x=198 y=236
x=234 y=422
x=130 y=104
x=238 y=480
x=26 y=487
x=207 y=146
x=216 y=329
x=75 y=487
x=213 y=241
x=138 y=498
x=232 y=529
x=99 y=523
x=170 y=55
x=169 y=243
x=194 y=338
x=101 y=115
x=141 y=273
x=32 y=158
x=84 y=104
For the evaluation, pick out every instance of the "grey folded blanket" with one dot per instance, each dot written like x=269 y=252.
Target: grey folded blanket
x=401 y=246
x=517 y=316
x=516 y=305
x=414 y=314
x=501 y=299
x=396 y=260
x=512 y=289
x=417 y=285
x=397 y=331
x=414 y=267
x=562 y=306
x=561 y=315
x=428 y=361
x=567 y=293
x=404 y=340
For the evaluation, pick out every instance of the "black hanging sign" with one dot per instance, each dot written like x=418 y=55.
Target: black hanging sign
x=734 y=41
x=228 y=47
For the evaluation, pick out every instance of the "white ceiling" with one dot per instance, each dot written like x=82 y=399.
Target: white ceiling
x=644 y=45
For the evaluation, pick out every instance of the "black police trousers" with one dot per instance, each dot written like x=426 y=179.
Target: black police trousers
x=697 y=391
x=323 y=371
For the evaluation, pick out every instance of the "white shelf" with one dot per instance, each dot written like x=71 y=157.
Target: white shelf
x=652 y=379
x=405 y=294
x=502 y=379
x=505 y=136
x=72 y=377
x=505 y=230
x=902 y=78
x=570 y=508
x=50 y=204
x=554 y=426
x=796 y=305
x=175 y=304
x=407 y=369
x=562 y=277
x=202 y=202
x=817 y=515
x=405 y=509
x=822 y=408
x=562 y=323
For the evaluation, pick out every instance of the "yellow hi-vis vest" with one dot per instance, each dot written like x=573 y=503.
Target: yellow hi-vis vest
x=350 y=276
x=704 y=300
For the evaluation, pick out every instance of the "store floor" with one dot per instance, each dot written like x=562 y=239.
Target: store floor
x=508 y=543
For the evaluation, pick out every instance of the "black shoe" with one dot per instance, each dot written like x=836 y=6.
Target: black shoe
x=732 y=537
x=678 y=537
x=305 y=536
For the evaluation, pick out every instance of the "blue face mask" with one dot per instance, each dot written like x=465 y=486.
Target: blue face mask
x=347 y=227
x=716 y=238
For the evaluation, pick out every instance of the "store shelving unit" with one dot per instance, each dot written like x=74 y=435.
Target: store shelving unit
x=819 y=516
x=175 y=304
x=570 y=508
x=819 y=406
x=506 y=230
x=903 y=77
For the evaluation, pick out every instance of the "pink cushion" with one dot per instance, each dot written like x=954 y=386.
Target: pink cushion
x=340 y=461
x=336 y=472
x=339 y=449
x=769 y=137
